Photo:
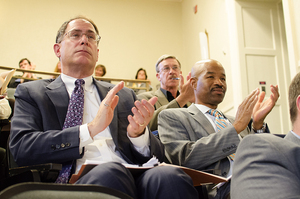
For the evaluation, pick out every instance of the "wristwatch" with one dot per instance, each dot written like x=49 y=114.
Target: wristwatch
x=262 y=130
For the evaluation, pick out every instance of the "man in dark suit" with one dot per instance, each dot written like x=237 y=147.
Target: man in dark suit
x=193 y=137
x=267 y=166
x=168 y=72
x=114 y=124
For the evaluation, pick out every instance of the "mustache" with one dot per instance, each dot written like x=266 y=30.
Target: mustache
x=218 y=87
x=175 y=77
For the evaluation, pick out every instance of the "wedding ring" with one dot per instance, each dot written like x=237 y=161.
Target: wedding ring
x=142 y=124
x=106 y=105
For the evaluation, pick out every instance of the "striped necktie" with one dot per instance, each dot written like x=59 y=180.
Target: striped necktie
x=220 y=123
x=73 y=118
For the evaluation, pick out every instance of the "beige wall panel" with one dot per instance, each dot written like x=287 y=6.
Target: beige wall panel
x=257 y=24
x=134 y=32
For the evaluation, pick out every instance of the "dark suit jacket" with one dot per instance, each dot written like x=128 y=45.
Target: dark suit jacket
x=40 y=110
x=267 y=166
x=190 y=140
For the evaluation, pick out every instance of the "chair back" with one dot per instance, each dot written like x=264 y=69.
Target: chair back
x=49 y=191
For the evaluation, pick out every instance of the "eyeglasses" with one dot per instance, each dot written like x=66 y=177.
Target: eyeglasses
x=167 y=69
x=75 y=35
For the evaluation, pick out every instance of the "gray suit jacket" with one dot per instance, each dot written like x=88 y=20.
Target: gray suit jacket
x=267 y=166
x=161 y=104
x=40 y=110
x=190 y=140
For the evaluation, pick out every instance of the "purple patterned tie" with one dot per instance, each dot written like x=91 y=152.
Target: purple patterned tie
x=220 y=123
x=73 y=118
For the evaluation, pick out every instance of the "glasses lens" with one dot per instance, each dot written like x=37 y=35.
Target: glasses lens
x=77 y=34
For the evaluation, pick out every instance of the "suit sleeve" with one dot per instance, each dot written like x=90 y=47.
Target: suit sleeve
x=188 y=144
x=266 y=166
x=31 y=141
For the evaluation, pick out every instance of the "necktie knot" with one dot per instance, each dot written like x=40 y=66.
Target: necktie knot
x=79 y=82
x=219 y=119
x=213 y=112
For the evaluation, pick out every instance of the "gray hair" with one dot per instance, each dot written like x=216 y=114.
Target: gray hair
x=164 y=57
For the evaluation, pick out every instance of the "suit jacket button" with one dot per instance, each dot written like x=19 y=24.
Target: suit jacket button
x=62 y=145
x=68 y=144
x=57 y=146
x=53 y=147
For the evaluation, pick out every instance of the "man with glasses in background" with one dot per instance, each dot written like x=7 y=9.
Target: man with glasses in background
x=75 y=119
x=168 y=72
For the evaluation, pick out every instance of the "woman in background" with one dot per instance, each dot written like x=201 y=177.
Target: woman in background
x=100 y=71
x=141 y=74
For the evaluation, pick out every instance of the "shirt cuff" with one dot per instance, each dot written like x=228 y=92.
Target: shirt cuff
x=141 y=143
x=84 y=136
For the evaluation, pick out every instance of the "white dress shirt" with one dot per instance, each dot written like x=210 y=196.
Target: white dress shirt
x=101 y=148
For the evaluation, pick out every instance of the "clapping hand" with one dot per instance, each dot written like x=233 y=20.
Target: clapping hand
x=142 y=114
x=263 y=108
x=106 y=111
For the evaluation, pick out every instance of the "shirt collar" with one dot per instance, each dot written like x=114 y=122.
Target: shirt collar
x=202 y=108
x=167 y=93
x=70 y=82
x=295 y=134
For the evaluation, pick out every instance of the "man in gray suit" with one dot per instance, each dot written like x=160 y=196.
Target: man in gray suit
x=168 y=72
x=267 y=166
x=113 y=130
x=191 y=136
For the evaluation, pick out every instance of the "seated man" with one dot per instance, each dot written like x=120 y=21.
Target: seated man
x=23 y=64
x=202 y=137
x=267 y=166
x=75 y=119
x=168 y=72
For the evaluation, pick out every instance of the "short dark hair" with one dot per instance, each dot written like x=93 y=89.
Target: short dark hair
x=24 y=60
x=62 y=30
x=294 y=92
x=136 y=76
x=103 y=68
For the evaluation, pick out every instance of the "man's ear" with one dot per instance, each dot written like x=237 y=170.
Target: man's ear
x=298 y=103
x=158 y=77
x=194 y=82
x=56 y=48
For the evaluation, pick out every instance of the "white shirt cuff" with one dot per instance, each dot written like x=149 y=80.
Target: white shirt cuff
x=141 y=143
x=85 y=137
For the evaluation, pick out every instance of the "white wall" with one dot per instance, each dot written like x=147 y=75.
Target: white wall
x=212 y=17
x=135 y=33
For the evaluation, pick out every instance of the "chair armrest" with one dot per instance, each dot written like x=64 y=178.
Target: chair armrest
x=48 y=172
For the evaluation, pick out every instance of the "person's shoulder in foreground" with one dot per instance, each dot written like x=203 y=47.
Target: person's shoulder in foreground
x=266 y=166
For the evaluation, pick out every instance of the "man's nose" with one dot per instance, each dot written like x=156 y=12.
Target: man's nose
x=84 y=39
x=172 y=70
x=219 y=82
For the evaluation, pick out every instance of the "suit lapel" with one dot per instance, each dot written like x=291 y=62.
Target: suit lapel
x=58 y=95
x=161 y=98
x=201 y=119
